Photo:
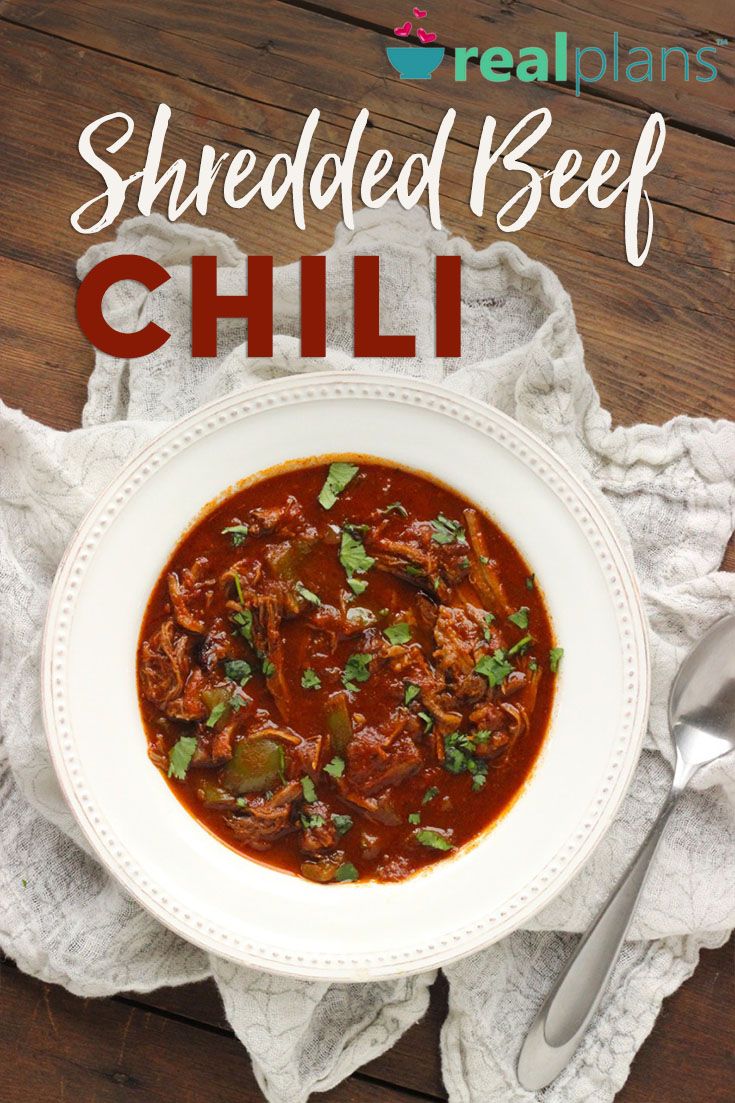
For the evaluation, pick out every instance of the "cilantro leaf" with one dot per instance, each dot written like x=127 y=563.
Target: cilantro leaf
x=357 y=585
x=428 y=721
x=446 y=531
x=494 y=667
x=339 y=476
x=460 y=757
x=414 y=817
x=357 y=669
x=555 y=658
x=309 y=822
x=307 y=595
x=342 y=823
x=238 y=533
x=521 y=645
x=398 y=633
x=308 y=789
x=336 y=767
x=237 y=670
x=396 y=507
x=410 y=693
x=180 y=756
x=520 y=619
x=352 y=554
x=489 y=618
x=430 y=794
x=531 y=582
x=346 y=872
x=428 y=837
x=310 y=679
x=244 y=622
x=268 y=667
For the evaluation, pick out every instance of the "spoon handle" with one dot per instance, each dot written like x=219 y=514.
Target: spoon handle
x=558 y=1028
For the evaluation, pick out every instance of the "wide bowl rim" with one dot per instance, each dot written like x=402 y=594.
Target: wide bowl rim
x=335 y=386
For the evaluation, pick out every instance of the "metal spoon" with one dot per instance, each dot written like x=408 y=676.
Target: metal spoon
x=702 y=723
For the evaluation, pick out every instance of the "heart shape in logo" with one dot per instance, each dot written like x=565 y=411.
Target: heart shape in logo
x=426 y=36
x=420 y=13
x=404 y=31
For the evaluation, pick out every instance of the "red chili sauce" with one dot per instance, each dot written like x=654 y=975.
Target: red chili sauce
x=346 y=671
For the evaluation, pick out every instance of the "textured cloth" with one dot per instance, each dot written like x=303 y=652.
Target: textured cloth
x=671 y=488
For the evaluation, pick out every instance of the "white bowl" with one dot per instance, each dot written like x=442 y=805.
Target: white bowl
x=259 y=916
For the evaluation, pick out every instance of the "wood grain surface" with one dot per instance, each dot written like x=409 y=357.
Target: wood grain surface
x=658 y=340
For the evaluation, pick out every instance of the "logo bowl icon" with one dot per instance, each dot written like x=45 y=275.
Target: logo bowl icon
x=415 y=62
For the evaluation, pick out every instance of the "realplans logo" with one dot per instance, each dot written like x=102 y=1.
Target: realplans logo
x=582 y=65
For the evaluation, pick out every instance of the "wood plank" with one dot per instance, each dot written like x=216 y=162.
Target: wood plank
x=46 y=363
x=704 y=105
x=56 y=1048
x=630 y=339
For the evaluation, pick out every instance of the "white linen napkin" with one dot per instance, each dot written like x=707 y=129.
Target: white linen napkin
x=62 y=918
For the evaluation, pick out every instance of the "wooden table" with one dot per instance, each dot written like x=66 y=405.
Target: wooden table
x=658 y=342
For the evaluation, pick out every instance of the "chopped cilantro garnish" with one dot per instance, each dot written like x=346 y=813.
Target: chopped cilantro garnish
x=410 y=693
x=460 y=757
x=446 y=531
x=342 y=823
x=238 y=587
x=180 y=756
x=533 y=665
x=531 y=582
x=238 y=533
x=414 y=817
x=357 y=585
x=336 y=767
x=398 y=633
x=478 y=781
x=396 y=507
x=268 y=667
x=357 y=669
x=555 y=658
x=217 y=713
x=352 y=554
x=242 y=803
x=244 y=622
x=520 y=619
x=428 y=721
x=310 y=679
x=430 y=794
x=237 y=670
x=521 y=646
x=308 y=789
x=309 y=822
x=494 y=667
x=339 y=476
x=429 y=837
x=346 y=872
x=489 y=618
x=307 y=595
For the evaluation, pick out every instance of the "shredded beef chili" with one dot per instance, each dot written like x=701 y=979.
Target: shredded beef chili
x=346 y=671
